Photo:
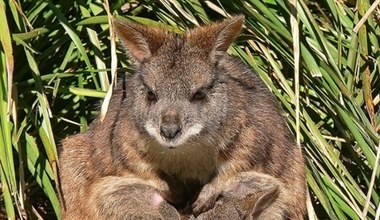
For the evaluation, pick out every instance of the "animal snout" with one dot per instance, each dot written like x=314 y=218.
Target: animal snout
x=170 y=124
x=170 y=131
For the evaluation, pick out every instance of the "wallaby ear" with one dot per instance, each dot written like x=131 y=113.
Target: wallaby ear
x=216 y=37
x=229 y=29
x=140 y=42
x=264 y=201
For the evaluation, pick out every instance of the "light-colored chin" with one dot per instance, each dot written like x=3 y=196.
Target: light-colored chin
x=185 y=157
x=182 y=139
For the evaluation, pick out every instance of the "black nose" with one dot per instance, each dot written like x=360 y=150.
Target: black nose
x=170 y=131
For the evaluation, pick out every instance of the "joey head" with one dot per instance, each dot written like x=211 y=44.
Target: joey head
x=247 y=197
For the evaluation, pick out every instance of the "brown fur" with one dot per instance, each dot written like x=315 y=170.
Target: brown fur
x=224 y=120
x=247 y=197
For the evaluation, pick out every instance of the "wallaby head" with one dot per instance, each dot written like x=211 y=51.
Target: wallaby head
x=178 y=91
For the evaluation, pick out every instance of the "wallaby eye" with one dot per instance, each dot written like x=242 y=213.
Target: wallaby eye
x=151 y=96
x=198 y=96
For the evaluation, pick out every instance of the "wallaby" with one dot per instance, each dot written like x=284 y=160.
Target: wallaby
x=246 y=197
x=190 y=120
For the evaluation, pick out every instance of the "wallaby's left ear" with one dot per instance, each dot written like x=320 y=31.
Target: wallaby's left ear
x=217 y=37
x=230 y=28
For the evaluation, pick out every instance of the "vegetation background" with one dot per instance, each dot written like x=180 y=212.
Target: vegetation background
x=317 y=58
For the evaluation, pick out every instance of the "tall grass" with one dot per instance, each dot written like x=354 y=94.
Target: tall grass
x=55 y=62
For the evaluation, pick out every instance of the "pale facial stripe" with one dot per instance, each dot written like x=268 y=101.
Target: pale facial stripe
x=186 y=134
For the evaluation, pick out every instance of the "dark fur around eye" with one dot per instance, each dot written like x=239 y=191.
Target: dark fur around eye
x=150 y=96
x=198 y=96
